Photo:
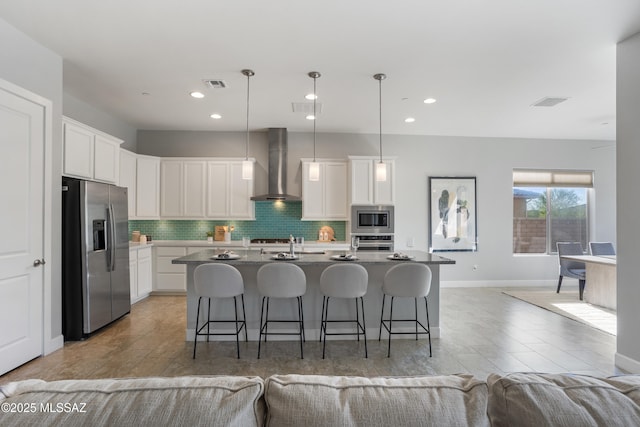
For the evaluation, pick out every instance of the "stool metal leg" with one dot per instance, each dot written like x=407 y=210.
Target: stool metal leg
x=195 y=341
x=364 y=327
x=209 y=320
x=324 y=317
x=390 y=319
x=324 y=298
x=415 y=304
x=426 y=306
x=244 y=317
x=381 y=317
x=357 y=321
x=235 y=308
x=261 y=326
x=301 y=326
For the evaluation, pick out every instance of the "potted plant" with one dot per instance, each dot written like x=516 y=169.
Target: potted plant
x=210 y=236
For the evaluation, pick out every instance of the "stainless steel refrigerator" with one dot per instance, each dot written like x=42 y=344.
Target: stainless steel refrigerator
x=95 y=256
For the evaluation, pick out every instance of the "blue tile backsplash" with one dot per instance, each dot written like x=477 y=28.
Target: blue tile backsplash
x=273 y=220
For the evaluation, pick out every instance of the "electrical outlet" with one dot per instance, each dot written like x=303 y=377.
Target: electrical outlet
x=411 y=242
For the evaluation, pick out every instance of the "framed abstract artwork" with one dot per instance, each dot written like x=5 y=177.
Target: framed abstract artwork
x=452 y=214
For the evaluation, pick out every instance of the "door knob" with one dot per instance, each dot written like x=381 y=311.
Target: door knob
x=38 y=262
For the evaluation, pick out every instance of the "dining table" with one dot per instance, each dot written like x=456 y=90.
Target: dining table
x=601 y=282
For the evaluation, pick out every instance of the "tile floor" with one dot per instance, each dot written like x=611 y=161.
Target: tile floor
x=483 y=331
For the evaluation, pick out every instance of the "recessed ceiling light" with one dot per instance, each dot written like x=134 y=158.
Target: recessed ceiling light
x=429 y=100
x=311 y=96
x=311 y=117
x=216 y=116
x=197 y=94
x=145 y=94
x=409 y=120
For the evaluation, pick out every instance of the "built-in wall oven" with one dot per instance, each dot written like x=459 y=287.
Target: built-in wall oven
x=372 y=219
x=374 y=242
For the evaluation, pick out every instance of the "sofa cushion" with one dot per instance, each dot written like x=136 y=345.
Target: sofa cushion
x=188 y=401
x=313 y=400
x=563 y=400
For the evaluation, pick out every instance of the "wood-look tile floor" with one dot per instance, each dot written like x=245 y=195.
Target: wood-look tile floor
x=483 y=331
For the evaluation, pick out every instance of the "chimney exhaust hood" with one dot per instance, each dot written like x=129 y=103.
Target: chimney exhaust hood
x=277 y=138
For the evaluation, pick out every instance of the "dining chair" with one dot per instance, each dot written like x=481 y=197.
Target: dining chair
x=601 y=248
x=570 y=268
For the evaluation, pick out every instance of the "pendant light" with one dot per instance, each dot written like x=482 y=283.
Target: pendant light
x=247 y=165
x=381 y=168
x=314 y=167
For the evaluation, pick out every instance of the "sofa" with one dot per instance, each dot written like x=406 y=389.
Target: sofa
x=519 y=399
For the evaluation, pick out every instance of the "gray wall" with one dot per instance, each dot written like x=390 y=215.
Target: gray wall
x=94 y=117
x=628 y=157
x=491 y=160
x=27 y=64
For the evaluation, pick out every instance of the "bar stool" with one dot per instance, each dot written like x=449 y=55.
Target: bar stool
x=409 y=280
x=281 y=280
x=343 y=281
x=219 y=281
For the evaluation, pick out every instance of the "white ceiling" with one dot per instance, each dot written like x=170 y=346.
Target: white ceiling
x=485 y=61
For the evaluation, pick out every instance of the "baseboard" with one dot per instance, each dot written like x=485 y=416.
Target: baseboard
x=628 y=364
x=502 y=283
x=53 y=344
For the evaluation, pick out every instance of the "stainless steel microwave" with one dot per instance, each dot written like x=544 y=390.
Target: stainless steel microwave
x=372 y=219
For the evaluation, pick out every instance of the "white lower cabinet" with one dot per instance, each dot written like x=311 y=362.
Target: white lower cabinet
x=170 y=277
x=140 y=273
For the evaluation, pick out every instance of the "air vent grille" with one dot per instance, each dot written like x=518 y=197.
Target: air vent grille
x=549 y=101
x=306 y=107
x=215 y=84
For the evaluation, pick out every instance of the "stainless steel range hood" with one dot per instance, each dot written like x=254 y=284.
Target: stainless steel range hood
x=277 y=167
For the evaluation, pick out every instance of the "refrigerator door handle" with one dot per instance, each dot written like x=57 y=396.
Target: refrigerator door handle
x=112 y=239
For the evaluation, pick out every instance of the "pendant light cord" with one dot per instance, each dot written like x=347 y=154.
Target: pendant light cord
x=247 y=145
x=380 y=110
x=315 y=117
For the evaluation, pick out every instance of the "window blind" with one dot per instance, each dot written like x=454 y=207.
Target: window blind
x=552 y=178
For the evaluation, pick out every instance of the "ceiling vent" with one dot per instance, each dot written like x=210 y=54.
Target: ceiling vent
x=215 y=84
x=306 y=107
x=548 y=101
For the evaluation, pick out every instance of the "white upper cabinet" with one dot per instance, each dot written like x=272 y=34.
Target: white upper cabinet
x=228 y=195
x=128 y=178
x=327 y=197
x=182 y=186
x=89 y=153
x=147 y=187
x=364 y=188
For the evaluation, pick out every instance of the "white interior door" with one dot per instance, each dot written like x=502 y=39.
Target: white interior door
x=22 y=137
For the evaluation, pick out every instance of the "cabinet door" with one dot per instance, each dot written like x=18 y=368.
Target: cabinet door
x=133 y=274
x=194 y=189
x=171 y=183
x=384 y=191
x=145 y=272
x=147 y=192
x=362 y=182
x=240 y=192
x=128 y=179
x=106 y=159
x=217 y=189
x=78 y=151
x=313 y=194
x=335 y=190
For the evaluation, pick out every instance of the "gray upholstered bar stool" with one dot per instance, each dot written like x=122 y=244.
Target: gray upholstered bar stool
x=408 y=280
x=343 y=281
x=281 y=280
x=219 y=281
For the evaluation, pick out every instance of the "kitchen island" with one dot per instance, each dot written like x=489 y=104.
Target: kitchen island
x=376 y=264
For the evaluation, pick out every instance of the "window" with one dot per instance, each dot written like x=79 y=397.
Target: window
x=549 y=207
